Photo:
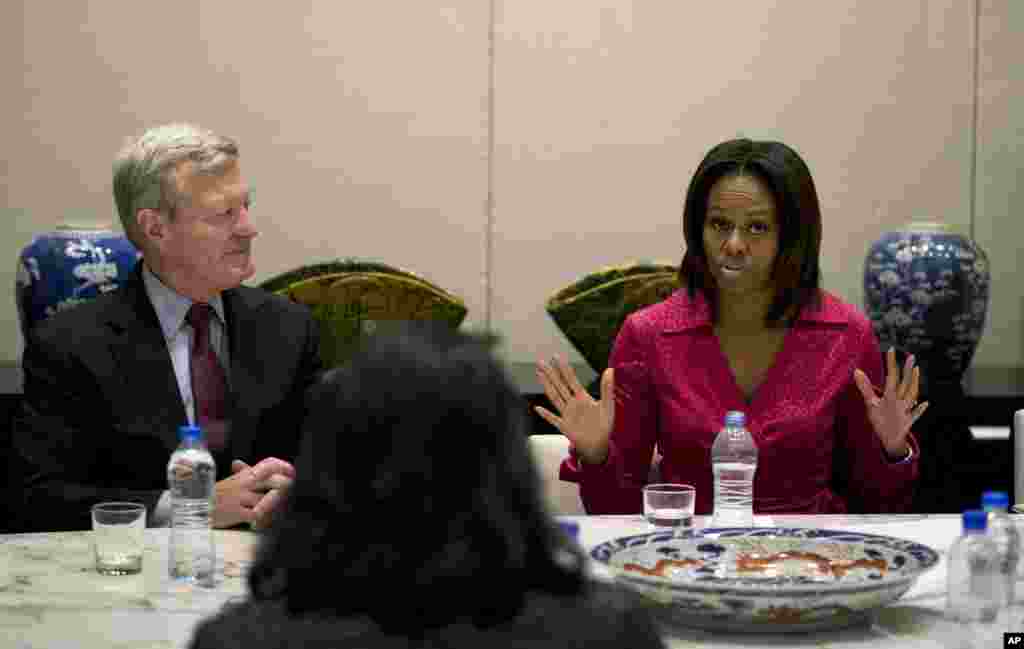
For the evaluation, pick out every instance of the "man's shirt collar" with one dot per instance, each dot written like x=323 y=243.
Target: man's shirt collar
x=170 y=305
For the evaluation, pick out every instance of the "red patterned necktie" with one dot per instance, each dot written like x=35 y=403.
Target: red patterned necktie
x=209 y=384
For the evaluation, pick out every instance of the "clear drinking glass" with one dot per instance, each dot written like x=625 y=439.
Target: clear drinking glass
x=669 y=506
x=118 y=531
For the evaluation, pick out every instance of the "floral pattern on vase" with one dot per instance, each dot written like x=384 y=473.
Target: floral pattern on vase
x=61 y=269
x=926 y=290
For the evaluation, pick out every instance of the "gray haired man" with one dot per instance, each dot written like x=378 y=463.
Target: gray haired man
x=107 y=384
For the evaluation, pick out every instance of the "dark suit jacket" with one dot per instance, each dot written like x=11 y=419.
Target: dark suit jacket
x=102 y=405
x=605 y=616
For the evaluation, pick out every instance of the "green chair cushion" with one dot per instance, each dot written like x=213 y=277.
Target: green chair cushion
x=349 y=297
x=590 y=312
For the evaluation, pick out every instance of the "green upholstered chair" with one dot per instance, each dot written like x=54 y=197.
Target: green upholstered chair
x=590 y=311
x=352 y=296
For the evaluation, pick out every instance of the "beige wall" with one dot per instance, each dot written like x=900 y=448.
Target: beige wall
x=365 y=128
x=999 y=226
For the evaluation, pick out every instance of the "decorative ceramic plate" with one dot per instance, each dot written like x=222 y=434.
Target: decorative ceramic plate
x=766 y=579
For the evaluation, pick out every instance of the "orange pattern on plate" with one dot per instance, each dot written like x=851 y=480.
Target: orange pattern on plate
x=659 y=568
x=823 y=565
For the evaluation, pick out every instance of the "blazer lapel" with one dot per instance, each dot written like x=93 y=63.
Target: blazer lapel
x=248 y=365
x=152 y=398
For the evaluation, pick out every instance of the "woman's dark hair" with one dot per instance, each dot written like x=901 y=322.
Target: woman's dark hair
x=796 y=274
x=415 y=502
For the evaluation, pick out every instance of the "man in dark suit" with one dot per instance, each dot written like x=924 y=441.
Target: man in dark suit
x=108 y=384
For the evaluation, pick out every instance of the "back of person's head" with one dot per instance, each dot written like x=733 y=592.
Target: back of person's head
x=796 y=273
x=415 y=501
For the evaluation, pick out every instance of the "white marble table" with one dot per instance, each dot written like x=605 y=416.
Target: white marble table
x=51 y=596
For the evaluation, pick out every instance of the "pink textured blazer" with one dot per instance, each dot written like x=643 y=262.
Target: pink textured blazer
x=817 y=450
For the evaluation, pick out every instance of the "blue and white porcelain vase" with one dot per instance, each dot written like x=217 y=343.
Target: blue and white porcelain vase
x=926 y=290
x=76 y=262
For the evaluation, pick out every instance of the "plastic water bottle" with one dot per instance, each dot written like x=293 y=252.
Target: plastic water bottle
x=973 y=573
x=734 y=462
x=571 y=529
x=1007 y=539
x=191 y=475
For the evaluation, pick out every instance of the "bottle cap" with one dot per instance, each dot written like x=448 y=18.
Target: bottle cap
x=190 y=432
x=975 y=519
x=571 y=529
x=995 y=500
x=735 y=418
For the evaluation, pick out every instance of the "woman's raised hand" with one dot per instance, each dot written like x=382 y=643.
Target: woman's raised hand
x=585 y=421
x=895 y=410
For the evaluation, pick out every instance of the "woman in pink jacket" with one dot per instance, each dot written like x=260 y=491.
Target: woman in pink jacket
x=750 y=330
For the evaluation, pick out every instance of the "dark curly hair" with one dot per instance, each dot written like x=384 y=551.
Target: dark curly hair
x=416 y=502
x=796 y=273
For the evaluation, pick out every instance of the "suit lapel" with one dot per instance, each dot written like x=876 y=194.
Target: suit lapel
x=248 y=364
x=152 y=398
